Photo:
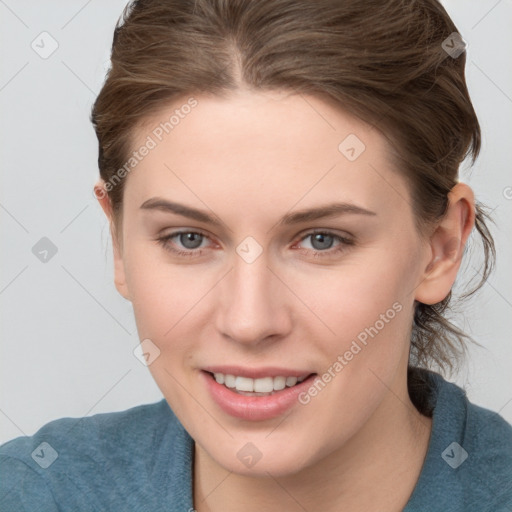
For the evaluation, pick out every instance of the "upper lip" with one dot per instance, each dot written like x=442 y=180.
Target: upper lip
x=257 y=373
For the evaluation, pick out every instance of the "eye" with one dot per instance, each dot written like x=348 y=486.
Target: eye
x=190 y=240
x=322 y=243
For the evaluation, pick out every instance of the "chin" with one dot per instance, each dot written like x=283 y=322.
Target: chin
x=259 y=459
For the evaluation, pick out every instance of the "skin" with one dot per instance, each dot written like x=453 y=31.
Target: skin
x=360 y=441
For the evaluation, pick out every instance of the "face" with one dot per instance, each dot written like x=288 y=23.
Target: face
x=239 y=280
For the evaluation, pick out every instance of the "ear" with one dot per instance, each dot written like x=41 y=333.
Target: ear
x=119 y=272
x=447 y=246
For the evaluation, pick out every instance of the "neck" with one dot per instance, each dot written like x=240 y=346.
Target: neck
x=380 y=464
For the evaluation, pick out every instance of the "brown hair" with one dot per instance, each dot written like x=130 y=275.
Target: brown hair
x=385 y=61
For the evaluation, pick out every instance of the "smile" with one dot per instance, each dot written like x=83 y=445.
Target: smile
x=264 y=395
x=256 y=387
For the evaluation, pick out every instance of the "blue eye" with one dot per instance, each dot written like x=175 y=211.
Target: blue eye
x=321 y=241
x=324 y=240
x=191 y=240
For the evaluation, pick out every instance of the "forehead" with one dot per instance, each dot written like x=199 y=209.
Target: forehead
x=262 y=146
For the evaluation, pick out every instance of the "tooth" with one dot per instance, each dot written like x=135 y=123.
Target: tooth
x=229 y=381
x=244 y=384
x=291 y=381
x=264 y=385
x=279 y=383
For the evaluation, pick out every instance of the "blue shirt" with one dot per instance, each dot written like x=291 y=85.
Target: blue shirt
x=141 y=460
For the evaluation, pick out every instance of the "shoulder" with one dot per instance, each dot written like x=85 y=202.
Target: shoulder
x=90 y=461
x=486 y=435
x=487 y=445
x=91 y=433
x=468 y=465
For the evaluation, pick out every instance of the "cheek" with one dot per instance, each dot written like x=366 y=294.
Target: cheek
x=363 y=312
x=353 y=297
x=165 y=297
x=337 y=305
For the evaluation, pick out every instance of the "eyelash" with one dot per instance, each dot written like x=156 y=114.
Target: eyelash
x=342 y=247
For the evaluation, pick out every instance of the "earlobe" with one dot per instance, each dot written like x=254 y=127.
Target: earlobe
x=119 y=271
x=120 y=278
x=446 y=246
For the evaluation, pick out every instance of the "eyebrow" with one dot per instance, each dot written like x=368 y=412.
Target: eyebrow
x=329 y=210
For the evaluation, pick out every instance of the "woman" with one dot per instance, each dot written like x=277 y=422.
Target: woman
x=281 y=181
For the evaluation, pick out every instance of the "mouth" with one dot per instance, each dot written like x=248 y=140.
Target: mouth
x=263 y=396
x=263 y=386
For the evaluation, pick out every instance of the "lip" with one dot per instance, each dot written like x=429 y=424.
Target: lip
x=257 y=373
x=254 y=408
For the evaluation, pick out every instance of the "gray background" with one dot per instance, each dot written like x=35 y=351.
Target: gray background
x=67 y=335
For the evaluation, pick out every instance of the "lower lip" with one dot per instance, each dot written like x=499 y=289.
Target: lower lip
x=254 y=408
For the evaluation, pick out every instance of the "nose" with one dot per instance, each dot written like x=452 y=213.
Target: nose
x=254 y=303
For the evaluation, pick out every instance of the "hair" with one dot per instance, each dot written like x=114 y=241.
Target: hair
x=382 y=61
